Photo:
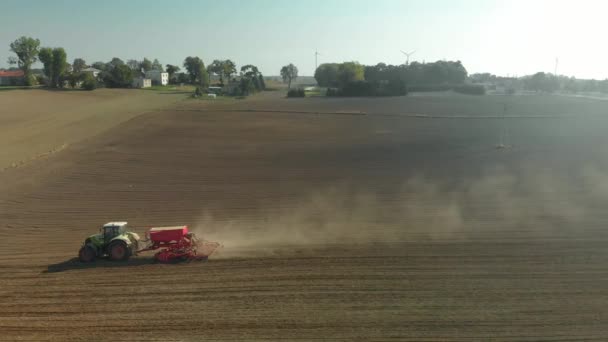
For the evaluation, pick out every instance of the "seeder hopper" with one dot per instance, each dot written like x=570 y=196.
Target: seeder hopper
x=176 y=244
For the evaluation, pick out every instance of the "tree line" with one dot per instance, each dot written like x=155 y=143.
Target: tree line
x=354 y=79
x=57 y=72
x=541 y=82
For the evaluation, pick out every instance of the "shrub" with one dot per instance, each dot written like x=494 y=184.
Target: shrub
x=299 y=92
x=429 y=87
x=247 y=86
x=393 y=88
x=40 y=79
x=358 y=88
x=332 y=92
x=470 y=89
x=88 y=81
x=198 y=92
x=365 y=88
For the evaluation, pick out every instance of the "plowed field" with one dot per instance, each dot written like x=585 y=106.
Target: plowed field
x=341 y=219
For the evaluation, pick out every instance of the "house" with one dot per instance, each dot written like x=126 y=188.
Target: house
x=93 y=71
x=141 y=82
x=12 y=78
x=158 y=77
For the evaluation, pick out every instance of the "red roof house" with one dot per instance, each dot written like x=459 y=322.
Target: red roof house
x=11 y=77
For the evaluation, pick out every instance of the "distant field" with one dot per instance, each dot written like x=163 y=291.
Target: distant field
x=37 y=122
x=341 y=218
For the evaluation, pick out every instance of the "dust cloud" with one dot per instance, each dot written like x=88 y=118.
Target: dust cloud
x=500 y=204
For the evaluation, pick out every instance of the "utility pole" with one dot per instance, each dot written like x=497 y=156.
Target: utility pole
x=316 y=65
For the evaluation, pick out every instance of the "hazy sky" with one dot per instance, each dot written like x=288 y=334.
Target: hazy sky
x=502 y=37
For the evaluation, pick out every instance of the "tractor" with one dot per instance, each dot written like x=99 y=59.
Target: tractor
x=172 y=244
x=114 y=241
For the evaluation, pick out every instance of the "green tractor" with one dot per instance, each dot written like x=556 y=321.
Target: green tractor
x=113 y=241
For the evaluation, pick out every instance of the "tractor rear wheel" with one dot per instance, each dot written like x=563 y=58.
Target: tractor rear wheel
x=119 y=251
x=87 y=253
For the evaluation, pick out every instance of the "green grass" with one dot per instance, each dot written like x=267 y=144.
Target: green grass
x=4 y=88
x=316 y=92
x=171 y=87
x=222 y=98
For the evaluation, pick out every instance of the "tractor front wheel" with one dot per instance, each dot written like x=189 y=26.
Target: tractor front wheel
x=86 y=253
x=119 y=251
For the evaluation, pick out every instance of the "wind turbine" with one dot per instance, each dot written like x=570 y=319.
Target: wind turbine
x=316 y=55
x=407 y=61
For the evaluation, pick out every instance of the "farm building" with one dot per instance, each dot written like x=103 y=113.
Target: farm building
x=158 y=77
x=11 y=78
x=141 y=82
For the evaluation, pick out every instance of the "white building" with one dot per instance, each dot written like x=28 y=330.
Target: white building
x=93 y=71
x=158 y=77
x=141 y=82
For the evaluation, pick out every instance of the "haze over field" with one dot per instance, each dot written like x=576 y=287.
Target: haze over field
x=501 y=37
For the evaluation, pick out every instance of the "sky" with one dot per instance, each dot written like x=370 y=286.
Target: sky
x=508 y=38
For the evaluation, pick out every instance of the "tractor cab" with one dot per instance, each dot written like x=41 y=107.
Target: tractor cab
x=113 y=229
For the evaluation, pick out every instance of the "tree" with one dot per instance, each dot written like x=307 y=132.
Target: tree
x=26 y=49
x=171 y=70
x=203 y=78
x=78 y=65
x=250 y=70
x=223 y=68
x=60 y=65
x=156 y=65
x=247 y=86
x=99 y=66
x=182 y=77
x=288 y=73
x=350 y=72
x=228 y=68
x=120 y=76
x=146 y=65
x=135 y=65
x=542 y=82
x=194 y=66
x=46 y=57
x=327 y=75
x=216 y=68
x=54 y=65
x=252 y=73
x=114 y=63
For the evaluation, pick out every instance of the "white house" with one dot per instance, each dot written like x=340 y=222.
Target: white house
x=93 y=71
x=158 y=77
x=141 y=82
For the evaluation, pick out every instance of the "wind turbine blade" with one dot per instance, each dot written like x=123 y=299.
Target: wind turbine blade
x=403 y=52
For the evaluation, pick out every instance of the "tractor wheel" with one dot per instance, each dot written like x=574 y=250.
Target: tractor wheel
x=119 y=251
x=86 y=253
